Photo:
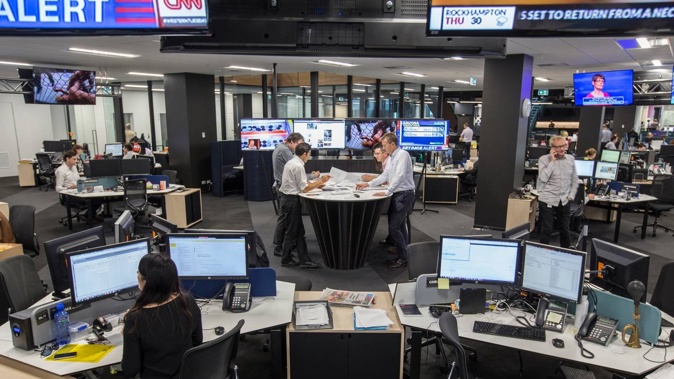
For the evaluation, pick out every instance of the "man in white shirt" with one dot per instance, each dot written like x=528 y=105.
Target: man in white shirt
x=611 y=145
x=67 y=175
x=605 y=134
x=127 y=150
x=466 y=134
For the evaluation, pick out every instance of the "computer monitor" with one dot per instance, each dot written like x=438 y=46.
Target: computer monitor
x=656 y=144
x=608 y=155
x=584 y=169
x=105 y=168
x=519 y=232
x=624 y=157
x=114 y=149
x=478 y=260
x=209 y=256
x=606 y=170
x=621 y=264
x=124 y=227
x=138 y=166
x=56 y=251
x=535 y=152
x=581 y=242
x=160 y=229
x=552 y=271
x=666 y=151
x=55 y=146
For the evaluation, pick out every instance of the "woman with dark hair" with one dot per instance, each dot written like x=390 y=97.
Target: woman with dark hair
x=162 y=325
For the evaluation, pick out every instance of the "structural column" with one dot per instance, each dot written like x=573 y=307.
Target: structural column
x=589 y=128
x=502 y=137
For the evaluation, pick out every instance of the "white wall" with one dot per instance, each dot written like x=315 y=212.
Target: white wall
x=136 y=103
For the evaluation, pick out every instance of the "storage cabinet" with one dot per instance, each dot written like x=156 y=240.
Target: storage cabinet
x=521 y=211
x=441 y=189
x=183 y=208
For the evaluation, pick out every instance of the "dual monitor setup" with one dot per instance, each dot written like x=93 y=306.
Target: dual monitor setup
x=107 y=168
x=355 y=134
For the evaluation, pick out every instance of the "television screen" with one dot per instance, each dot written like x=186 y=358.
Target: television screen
x=606 y=170
x=321 y=134
x=263 y=134
x=62 y=86
x=603 y=88
x=362 y=134
x=422 y=134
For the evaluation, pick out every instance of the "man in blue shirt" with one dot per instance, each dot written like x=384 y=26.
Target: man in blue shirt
x=400 y=177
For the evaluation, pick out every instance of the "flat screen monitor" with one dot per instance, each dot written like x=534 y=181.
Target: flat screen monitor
x=322 y=134
x=107 y=271
x=56 y=146
x=666 y=151
x=124 y=227
x=622 y=266
x=63 y=86
x=606 y=88
x=624 y=157
x=584 y=169
x=139 y=166
x=105 y=168
x=472 y=259
x=114 y=149
x=161 y=226
x=364 y=133
x=209 y=256
x=552 y=271
x=535 y=152
x=606 y=170
x=608 y=155
x=422 y=135
x=56 y=251
x=519 y=232
x=656 y=144
x=264 y=133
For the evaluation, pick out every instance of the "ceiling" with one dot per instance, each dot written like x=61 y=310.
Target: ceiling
x=554 y=58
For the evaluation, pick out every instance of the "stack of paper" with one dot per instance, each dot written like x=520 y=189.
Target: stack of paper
x=311 y=314
x=370 y=319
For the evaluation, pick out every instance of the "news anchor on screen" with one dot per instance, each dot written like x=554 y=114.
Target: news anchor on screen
x=598 y=81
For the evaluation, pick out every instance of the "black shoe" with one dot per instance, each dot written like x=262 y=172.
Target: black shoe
x=309 y=264
x=392 y=250
x=391 y=261
x=399 y=263
x=386 y=242
x=290 y=264
x=278 y=254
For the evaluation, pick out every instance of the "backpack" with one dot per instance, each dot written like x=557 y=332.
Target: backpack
x=260 y=257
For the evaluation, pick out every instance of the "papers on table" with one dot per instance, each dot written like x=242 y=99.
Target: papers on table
x=341 y=178
x=370 y=319
x=312 y=315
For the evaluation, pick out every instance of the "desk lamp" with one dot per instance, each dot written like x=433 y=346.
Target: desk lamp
x=636 y=289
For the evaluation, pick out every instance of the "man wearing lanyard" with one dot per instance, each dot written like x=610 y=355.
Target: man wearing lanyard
x=294 y=182
x=400 y=177
x=557 y=186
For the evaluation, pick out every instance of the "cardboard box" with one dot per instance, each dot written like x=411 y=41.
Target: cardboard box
x=26 y=173
x=598 y=214
x=10 y=249
x=4 y=209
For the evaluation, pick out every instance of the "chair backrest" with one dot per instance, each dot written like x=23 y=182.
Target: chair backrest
x=450 y=331
x=422 y=258
x=663 y=188
x=20 y=285
x=213 y=359
x=22 y=219
x=43 y=162
x=172 y=175
x=135 y=195
x=662 y=295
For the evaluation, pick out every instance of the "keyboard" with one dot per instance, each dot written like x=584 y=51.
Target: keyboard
x=509 y=331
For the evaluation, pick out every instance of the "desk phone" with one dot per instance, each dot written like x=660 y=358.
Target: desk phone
x=598 y=329
x=236 y=297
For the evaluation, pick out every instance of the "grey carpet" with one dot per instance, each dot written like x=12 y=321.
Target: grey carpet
x=9 y=185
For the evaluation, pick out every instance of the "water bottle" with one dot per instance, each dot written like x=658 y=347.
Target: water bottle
x=61 y=323
x=581 y=312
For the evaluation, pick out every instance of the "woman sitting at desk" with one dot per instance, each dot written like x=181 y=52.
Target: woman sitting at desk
x=162 y=325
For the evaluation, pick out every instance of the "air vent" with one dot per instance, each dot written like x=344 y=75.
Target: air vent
x=552 y=65
x=397 y=67
x=413 y=8
x=334 y=8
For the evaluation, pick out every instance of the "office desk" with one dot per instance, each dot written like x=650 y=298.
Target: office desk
x=345 y=353
x=616 y=357
x=344 y=224
x=618 y=205
x=271 y=313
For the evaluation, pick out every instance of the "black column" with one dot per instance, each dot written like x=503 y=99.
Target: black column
x=589 y=129
x=274 y=90
x=223 y=115
x=623 y=119
x=401 y=100
x=502 y=137
x=349 y=96
x=441 y=102
x=422 y=95
x=190 y=117
x=377 y=97
x=264 y=96
x=314 y=93
x=118 y=112
x=150 y=102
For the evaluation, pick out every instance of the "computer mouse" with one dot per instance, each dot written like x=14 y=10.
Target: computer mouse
x=219 y=330
x=356 y=195
x=558 y=343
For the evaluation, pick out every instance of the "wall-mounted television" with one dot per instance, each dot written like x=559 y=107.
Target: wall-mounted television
x=264 y=133
x=422 y=135
x=63 y=86
x=606 y=88
x=363 y=134
x=321 y=134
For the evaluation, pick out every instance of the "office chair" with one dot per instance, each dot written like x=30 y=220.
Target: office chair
x=20 y=285
x=135 y=201
x=213 y=359
x=576 y=209
x=79 y=207
x=569 y=372
x=423 y=258
x=662 y=298
x=450 y=332
x=22 y=219
x=46 y=171
x=469 y=183
x=172 y=176
x=156 y=200
x=663 y=189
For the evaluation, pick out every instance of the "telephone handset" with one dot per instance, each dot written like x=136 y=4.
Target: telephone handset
x=540 y=311
x=550 y=315
x=598 y=329
x=236 y=297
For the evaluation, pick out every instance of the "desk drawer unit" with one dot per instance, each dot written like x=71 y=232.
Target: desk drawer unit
x=183 y=208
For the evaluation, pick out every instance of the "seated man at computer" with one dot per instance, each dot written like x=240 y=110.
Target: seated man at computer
x=67 y=174
x=127 y=149
x=612 y=143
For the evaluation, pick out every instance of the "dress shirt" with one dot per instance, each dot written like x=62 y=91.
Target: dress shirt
x=281 y=155
x=557 y=181
x=467 y=135
x=605 y=135
x=610 y=145
x=129 y=155
x=66 y=177
x=294 y=179
x=398 y=173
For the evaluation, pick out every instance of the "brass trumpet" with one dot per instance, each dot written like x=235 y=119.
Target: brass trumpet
x=636 y=289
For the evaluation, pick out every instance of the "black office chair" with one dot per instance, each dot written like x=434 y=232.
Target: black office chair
x=20 y=285
x=662 y=298
x=569 y=372
x=156 y=200
x=45 y=171
x=663 y=189
x=423 y=258
x=79 y=207
x=172 y=176
x=213 y=359
x=136 y=201
x=469 y=183
x=450 y=332
x=577 y=209
x=22 y=219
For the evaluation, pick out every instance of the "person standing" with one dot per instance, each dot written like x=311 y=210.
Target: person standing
x=557 y=186
x=605 y=134
x=293 y=182
x=382 y=159
x=400 y=177
x=282 y=154
x=67 y=174
x=128 y=133
x=466 y=134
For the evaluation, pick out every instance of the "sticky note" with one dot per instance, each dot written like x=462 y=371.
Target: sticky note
x=443 y=283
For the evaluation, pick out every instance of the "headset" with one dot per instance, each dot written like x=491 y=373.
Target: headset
x=437 y=310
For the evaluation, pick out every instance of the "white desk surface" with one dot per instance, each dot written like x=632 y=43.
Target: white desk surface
x=641 y=199
x=445 y=171
x=345 y=194
x=615 y=357
x=264 y=313
x=120 y=193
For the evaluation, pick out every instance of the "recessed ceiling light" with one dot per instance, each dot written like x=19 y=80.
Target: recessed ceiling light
x=409 y=89
x=145 y=74
x=357 y=90
x=540 y=79
x=362 y=84
x=454 y=58
x=335 y=63
x=414 y=74
x=101 y=53
x=233 y=81
x=395 y=93
x=135 y=86
x=462 y=82
x=105 y=78
x=656 y=62
x=436 y=88
x=643 y=43
x=15 y=63
x=659 y=70
x=247 y=68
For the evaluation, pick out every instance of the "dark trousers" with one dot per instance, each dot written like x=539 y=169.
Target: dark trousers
x=280 y=231
x=294 y=235
x=401 y=204
x=547 y=215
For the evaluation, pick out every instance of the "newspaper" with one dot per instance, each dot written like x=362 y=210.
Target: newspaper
x=338 y=297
